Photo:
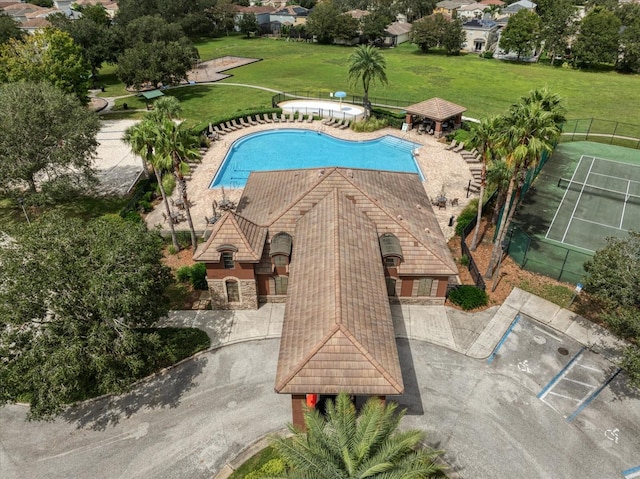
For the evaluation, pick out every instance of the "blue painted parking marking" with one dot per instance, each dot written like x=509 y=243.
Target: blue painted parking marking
x=592 y=396
x=561 y=373
x=504 y=338
x=632 y=473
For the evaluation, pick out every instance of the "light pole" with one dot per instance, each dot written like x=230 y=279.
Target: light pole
x=21 y=202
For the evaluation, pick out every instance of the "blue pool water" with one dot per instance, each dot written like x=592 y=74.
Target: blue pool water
x=293 y=149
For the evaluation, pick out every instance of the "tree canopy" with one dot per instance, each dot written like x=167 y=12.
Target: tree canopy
x=429 y=32
x=522 y=33
x=367 y=65
x=48 y=139
x=322 y=20
x=598 y=38
x=347 y=445
x=72 y=295
x=558 y=23
x=9 y=28
x=155 y=52
x=49 y=55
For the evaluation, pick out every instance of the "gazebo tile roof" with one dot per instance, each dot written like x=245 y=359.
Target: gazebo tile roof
x=436 y=109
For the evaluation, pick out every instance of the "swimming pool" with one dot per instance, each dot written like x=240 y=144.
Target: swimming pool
x=293 y=149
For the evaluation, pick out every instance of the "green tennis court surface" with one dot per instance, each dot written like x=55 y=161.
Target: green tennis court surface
x=560 y=223
x=601 y=199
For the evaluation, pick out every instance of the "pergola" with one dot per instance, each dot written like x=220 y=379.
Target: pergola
x=151 y=95
x=439 y=111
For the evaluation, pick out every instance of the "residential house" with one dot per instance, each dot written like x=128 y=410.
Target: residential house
x=481 y=35
x=397 y=33
x=262 y=13
x=252 y=253
x=517 y=6
x=450 y=7
x=110 y=6
x=471 y=11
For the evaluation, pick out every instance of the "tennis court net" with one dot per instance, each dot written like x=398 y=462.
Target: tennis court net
x=628 y=196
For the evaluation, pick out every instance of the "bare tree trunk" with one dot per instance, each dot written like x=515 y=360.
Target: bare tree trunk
x=182 y=184
x=174 y=238
x=474 y=241
x=497 y=246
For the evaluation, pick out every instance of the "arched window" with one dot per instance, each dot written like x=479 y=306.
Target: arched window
x=233 y=291
x=227 y=258
x=390 y=249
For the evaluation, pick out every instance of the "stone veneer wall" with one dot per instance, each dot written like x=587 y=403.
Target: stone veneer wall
x=421 y=300
x=248 y=294
x=281 y=298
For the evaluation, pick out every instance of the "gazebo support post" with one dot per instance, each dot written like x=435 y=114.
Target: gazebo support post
x=457 y=122
x=438 y=131
x=408 y=119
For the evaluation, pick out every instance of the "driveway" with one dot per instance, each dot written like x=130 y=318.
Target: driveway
x=488 y=417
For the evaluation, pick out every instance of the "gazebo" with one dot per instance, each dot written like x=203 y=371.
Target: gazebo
x=439 y=111
x=151 y=95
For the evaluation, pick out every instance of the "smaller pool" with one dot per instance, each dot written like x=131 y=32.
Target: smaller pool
x=323 y=108
x=294 y=149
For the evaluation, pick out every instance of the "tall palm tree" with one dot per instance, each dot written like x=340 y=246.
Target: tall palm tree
x=346 y=445
x=177 y=145
x=142 y=138
x=532 y=131
x=165 y=107
x=485 y=137
x=498 y=177
x=367 y=64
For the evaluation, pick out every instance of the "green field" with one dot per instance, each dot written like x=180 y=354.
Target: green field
x=484 y=86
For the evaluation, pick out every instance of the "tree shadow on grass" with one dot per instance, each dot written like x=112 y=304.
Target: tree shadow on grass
x=160 y=391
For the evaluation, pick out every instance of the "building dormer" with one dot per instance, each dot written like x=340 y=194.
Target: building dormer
x=227 y=255
x=390 y=250
x=280 y=250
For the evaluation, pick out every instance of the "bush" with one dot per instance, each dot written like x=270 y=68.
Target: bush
x=466 y=216
x=464 y=260
x=184 y=238
x=394 y=120
x=196 y=275
x=168 y=183
x=468 y=297
x=273 y=468
x=372 y=124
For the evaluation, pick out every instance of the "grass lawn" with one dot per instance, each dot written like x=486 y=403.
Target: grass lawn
x=484 y=86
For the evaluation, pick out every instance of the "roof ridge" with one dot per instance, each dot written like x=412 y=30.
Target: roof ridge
x=234 y=217
x=336 y=254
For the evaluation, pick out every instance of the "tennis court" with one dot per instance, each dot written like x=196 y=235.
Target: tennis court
x=601 y=199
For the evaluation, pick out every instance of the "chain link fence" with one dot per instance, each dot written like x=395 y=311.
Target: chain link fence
x=602 y=131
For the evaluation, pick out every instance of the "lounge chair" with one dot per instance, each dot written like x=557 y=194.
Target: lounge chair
x=237 y=125
x=310 y=118
x=266 y=118
x=300 y=117
x=458 y=148
x=345 y=125
x=222 y=128
x=291 y=118
x=283 y=118
x=471 y=153
x=244 y=123
x=274 y=115
x=259 y=120
x=330 y=121
x=451 y=146
x=337 y=124
x=230 y=126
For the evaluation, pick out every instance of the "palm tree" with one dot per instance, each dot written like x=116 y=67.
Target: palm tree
x=346 y=445
x=177 y=145
x=367 y=65
x=532 y=130
x=498 y=176
x=165 y=107
x=142 y=138
x=485 y=137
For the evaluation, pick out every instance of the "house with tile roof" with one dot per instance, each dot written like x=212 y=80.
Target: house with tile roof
x=450 y=7
x=397 y=33
x=252 y=252
x=517 y=6
x=481 y=35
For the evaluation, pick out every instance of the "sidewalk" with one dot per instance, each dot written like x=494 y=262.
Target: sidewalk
x=472 y=334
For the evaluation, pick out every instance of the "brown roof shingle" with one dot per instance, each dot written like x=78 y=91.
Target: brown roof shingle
x=233 y=229
x=436 y=109
x=337 y=333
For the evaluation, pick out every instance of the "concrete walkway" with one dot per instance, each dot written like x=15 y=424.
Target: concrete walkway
x=472 y=334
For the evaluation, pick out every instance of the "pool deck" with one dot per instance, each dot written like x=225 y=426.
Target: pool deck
x=438 y=166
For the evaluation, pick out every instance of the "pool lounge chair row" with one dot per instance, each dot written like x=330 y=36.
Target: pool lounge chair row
x=340 y=124
x=217 y=131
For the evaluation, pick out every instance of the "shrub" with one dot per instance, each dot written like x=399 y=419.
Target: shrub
x=169 y=184
x=466 y=216
x=273 y=468
x=468 y=297
x=183 y=274
x=172 y=249
x=184 y=238
x=199 y=276
x=464 y=260
x=394 y=120
x=372 y=124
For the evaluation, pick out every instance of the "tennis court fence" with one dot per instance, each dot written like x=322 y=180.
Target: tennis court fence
x=602 y=131
x=546 y=257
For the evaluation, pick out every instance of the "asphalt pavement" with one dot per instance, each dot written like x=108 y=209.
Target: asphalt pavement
x=521 y=390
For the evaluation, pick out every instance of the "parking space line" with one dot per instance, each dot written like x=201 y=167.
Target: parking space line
x=592 y=396
x=560 y=375
x=589 y=368
x=551 y=393
x=632 y=473
x=548 y=334
x=591 y=386
x=503 y=339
